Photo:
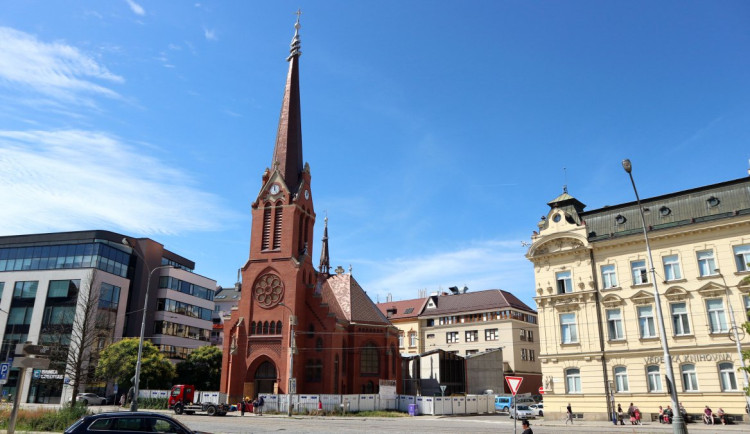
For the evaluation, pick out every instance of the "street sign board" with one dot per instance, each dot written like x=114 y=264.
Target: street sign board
x=442 y=388
x=541 y=390
x=514 y=383
x=4 y=370
x=33 y=350
x=292 y=385
x=29 y=362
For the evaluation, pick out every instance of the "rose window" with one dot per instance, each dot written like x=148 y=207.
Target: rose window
x=268 y=290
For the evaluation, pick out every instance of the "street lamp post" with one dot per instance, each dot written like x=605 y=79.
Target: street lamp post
x=292 y=321
x=678 y=423
x=736 y=339
x=137 y=377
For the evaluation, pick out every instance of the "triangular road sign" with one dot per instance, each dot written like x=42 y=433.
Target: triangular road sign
x=514 y=383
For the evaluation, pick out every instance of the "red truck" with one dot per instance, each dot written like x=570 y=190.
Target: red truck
x=182 y=399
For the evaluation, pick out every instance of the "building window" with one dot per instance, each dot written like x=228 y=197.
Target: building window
x=680 y=321
x=278 y=214
x=746 y=298
x=401 y=340
x=640 y=274
x=532 y=356
x=646 y=321
x=728 y=380
x=266 y=228
x=490 y=335
x=621 y=379
x=672 y=268
x=568 y=329
x=654 y=378
x=614 y=325
x=20 y=315
x=369 y=363
x=412 y=340
x=109 y=296
x=564 y=282
x=25 y=289
x=742 y=257
x=314 y=370
x=451 y=337
x=530 y=335
x=522 y=334
x=524 y=354
x=706 y=263
x=472 y=336
x=609 y=277
x=717 y=320
x=689 y=378
x=573 y=380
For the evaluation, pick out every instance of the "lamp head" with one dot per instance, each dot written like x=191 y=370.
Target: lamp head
x=126 y=241
x=626 y=165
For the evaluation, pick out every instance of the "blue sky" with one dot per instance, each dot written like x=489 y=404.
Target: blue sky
x=436 y=131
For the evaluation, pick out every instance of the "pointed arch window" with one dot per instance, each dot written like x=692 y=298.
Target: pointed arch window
x=278 y=327
x=272 y=330
x=266 y=227
x=252 y=328
x=369 y=364
x=277 y=220
x=265 y=328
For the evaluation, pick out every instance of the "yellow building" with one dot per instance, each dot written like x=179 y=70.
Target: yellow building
x=404 y=315
x=597 y=322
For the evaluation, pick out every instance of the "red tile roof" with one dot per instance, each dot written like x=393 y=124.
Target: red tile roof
x=401 y=307
x=490 y=299
x=349 y=301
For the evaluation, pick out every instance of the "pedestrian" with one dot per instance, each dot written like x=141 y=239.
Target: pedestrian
x=708 y=416
x=637 y=413
x=722 y=417
x=661 y=414
x=619 y=414
x=525 y=425
x=570 y=415
x=631 y=414
x=241 y=405
x=260 y=405
x=122 y=400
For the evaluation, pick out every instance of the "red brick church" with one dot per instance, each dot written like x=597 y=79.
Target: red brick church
x=342 y=342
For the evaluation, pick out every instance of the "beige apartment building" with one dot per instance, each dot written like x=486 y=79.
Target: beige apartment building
x=466 y=323
x=404 y=315
x=598 y=326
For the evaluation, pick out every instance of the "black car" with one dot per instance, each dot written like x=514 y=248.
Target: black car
x=126 y=422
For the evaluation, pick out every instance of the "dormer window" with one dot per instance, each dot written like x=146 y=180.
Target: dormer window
x=664 y=211
x=713 y=201
x=620 y=219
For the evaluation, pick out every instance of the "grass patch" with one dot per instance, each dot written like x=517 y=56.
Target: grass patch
x=43 y=419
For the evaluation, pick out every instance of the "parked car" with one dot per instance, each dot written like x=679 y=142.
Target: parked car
x=521 y=412
x=91 y=399
x=126 y=422
x=503 y=403
x=538 y=409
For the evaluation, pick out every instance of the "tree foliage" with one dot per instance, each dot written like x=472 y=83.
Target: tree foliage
x=117 y=362
x=202 y=368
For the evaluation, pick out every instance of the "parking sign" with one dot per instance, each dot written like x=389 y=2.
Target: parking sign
x=4 y=369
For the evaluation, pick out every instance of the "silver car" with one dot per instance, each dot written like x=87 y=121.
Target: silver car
x=91 y=399
x=538 y=409
x=521 y=412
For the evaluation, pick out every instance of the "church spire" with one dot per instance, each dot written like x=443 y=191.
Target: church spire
x=325 y=266
x=287 y=154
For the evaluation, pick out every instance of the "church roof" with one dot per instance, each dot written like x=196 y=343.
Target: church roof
x=402 y=309
x=350 y=302
x=479 y=301
x=288 y=149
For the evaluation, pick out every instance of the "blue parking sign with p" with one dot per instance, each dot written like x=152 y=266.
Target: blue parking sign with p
x=4 y=369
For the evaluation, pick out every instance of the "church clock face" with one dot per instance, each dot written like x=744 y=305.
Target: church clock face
x=307 y=194
x=275 y=189
x=268 y=290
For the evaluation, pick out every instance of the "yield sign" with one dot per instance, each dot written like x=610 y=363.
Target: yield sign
x=514 y=383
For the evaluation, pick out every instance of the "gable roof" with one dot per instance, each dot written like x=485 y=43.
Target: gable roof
x=477 y=301
x=401 y=309
x=349 y=301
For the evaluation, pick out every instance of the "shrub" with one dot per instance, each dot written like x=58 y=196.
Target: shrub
x=44 y=420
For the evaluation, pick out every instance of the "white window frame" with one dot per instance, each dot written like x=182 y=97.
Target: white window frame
x=401 y=340
x=412 y=340
x=689 y=378
x=742 y=257
x=680 y=320
x=614 y=325
x=568 y=328
x=471 y=336
x=490 y=334
x=646 y=321
x=717 y=317
x=609 y=276
x=672 y=269
x=451 y=337
x=653 y=378
x=564 y=282
x=573 y=381
x=639 y=272
x=524 y=354
x=621 y=379
x=746 y=300
x=727 y=377
x=706 y=262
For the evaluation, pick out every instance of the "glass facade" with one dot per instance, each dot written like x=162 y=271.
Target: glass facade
x=186 y=287
x=87 y=255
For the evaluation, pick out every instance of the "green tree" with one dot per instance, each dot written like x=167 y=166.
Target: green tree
x=117 y=362
x=202 y=368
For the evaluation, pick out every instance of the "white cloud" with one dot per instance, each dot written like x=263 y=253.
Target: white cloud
x=56 y=70
x=136 y=8
x=73 y=180
x=210 y=34
x=480 y=266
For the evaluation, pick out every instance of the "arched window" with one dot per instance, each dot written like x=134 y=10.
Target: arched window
x=266 y=227
x=265 y=328
x=301 y=242
x=654 y=378
x=573 y=380
x=689 y=378
x=369 y=364
x=272 y=329
x=621 y=379
x=278 y=327
x=277 y=226
x=314 y=370
x=393 y=360
x=336 y=374
x=319 y=344
x=252 y=328
x=728 y=379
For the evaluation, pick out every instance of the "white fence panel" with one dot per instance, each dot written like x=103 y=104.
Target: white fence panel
x=212 y=397
x=331 y=402
x=482 y=403
x=366 y=402
x=271 y=402
x=426 y=404
x=404 y=401
x=351 y=403
x=459 y=404
x=471 y=404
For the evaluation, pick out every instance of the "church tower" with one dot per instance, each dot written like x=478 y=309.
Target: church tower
x=279 y=269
